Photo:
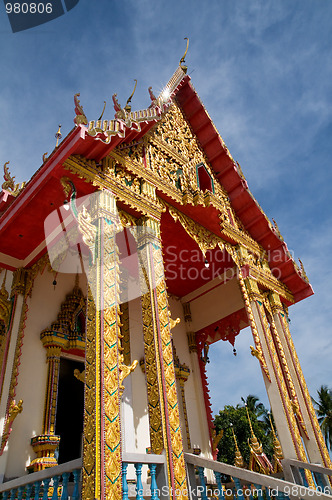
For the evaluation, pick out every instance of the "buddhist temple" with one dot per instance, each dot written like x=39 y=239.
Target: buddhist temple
x=135 y=246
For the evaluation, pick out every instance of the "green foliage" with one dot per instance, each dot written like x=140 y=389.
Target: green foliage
x=237 y=416
x=324 y=413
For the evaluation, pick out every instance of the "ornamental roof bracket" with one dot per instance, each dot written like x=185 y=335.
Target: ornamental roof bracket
x=182 y=60
x=276 y=230
x=9 y=184
x=80 y=118
x=302 y=271
x=120 y=113
x=154 y=100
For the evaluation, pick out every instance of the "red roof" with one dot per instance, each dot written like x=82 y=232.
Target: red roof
x=21 y=223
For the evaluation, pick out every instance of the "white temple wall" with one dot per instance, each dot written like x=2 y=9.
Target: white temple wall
x=197 y=419
x=214 y=301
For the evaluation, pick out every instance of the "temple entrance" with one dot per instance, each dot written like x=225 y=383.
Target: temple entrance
x=69 y=414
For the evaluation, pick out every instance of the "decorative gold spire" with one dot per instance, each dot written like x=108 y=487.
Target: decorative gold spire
x=238 y=462
x=182 y=60
x=255 y=444
x=128 y=106
x=58 y=136
x=277 y=450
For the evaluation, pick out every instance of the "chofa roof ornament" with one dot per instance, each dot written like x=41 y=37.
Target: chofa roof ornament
x=182 y=60
x=128 y=106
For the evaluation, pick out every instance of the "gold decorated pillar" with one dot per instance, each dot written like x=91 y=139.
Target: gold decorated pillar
x=16 y=315
x=102 y=435
x=273 y=372
x=301 y=401
x=163 y=406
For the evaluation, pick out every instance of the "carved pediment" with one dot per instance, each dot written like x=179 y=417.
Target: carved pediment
x=68 y=331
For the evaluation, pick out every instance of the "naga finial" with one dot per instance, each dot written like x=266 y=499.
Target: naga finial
x=80 y=117
x=9 y=180
x=182 y=60
x=152 y=96
x=127 y=107
x=120 y=113
x=102 y=114
x=9 y=184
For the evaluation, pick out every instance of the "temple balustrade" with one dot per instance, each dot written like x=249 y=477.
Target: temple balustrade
x=63 y=482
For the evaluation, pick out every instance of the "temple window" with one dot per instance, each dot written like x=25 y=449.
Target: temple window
x=204 y=179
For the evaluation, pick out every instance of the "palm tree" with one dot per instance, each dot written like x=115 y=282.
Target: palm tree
x=251 y=402
x=324 y=413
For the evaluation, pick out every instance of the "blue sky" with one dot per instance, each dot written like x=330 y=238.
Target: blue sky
x=262 y=68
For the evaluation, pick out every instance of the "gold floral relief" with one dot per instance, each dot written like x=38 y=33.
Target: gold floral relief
x=102 y=433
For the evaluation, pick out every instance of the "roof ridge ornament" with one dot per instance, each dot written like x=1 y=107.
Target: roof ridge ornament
x=120 y=112
x=154 y=100
x=182 y=60
x=152 y=96
x=80 y=118
x=128 y=106
x=102 y=113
